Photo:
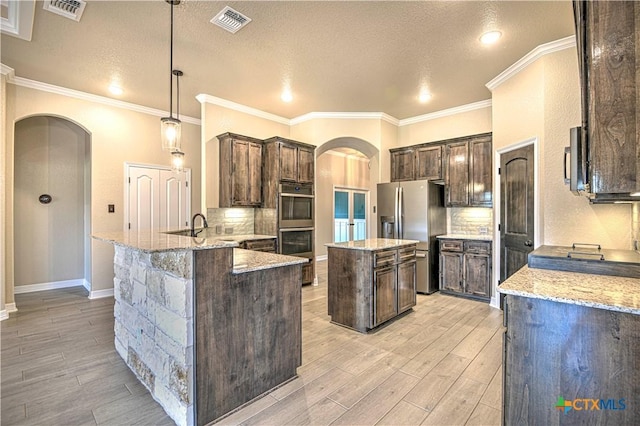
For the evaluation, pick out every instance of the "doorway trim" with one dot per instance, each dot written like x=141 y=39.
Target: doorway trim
x=367 y=193
x=537 y=235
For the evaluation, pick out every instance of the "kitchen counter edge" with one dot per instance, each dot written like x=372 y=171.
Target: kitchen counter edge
x=607 y=292
x=372 y=244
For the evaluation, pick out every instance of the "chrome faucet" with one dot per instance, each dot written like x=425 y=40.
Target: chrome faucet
x=193 y=223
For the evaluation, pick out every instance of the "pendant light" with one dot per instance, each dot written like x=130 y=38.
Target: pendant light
x=170 y=127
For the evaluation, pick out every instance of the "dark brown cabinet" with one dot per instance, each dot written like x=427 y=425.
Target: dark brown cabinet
x=402 y=165
x=296 y=161
x=465 y=268
x=367 y=288
x=468 y=174
x=429 y=162
x=609 y=50
x=265 y=245
x=240 y=171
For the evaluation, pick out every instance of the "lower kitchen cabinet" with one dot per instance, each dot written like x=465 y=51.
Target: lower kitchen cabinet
x=465 y=268
x=367 y=288
x=308 y=272
x=265 y=245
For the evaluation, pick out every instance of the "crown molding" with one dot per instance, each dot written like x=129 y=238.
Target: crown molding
x=204 y=98
x=19 y=20
x=446 y=112
x=529 y=58
x=8 y=72
x=345 y=115
x=50 y=88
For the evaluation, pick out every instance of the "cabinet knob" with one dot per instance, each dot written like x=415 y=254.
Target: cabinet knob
x=528 y=243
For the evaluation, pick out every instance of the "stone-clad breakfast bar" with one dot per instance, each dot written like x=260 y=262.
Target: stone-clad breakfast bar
x=571 y=337
x=205 y=326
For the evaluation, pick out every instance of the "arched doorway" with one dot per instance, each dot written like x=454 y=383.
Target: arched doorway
x=52 y=204
x=346 y=170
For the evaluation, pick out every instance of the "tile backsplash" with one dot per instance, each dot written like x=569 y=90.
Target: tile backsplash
x=231 y=221
x=469 y=220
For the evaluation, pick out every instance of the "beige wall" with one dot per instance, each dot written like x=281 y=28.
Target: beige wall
x=441 y=128
x=117 y=136
x=50 y=158
x=336 y=170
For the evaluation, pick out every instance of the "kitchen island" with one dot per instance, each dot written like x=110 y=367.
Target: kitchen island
x=571 y=348
x=370 y=281
x=206 y=327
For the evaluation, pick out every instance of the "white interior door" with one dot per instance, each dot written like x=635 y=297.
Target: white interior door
x=349 y=214
x=157 y=198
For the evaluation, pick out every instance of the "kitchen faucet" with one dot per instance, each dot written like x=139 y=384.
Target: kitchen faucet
x=193 y=223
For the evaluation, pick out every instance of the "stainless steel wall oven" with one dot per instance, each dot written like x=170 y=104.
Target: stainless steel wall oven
x=295 y=206
x=296 y=242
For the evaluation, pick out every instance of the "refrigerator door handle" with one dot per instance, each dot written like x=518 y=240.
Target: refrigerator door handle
x=396 y=225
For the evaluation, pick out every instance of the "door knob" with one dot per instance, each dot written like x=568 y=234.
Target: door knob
x=528 y=243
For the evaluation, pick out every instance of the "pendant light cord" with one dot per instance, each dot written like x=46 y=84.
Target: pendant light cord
x=171 y=67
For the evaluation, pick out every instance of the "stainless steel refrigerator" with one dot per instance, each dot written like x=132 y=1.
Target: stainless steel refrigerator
x=415 y=210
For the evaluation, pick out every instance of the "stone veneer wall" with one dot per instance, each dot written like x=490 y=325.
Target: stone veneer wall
x=154 y=324
x=231 y=221
x=469 y=220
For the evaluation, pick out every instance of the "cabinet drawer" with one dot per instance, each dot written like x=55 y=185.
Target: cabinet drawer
x=481 y=247
x=384 y=258
x=451 y=245
x=406 y=254
x=268 y=245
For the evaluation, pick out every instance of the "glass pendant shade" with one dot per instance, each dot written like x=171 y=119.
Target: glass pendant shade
x=170 y=129
x=177 y=161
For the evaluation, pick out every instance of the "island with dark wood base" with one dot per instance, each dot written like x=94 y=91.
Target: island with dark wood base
x=571 y=349
x=370 y=281
x=206 y=327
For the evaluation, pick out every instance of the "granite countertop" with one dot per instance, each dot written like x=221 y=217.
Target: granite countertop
x=249 y=260
x=479 y=237
x=155 y=241
x=598 y=291
x=372 y=244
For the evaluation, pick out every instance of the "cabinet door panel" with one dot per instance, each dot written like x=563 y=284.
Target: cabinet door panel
x=308 y=274
x=457 y=175
x=406 y=286
x=240 y=174
x=480 y=186
x=477 y=274
x=305 y=165
x=254 y=174
x=288 y=163
x=402 y=165
x=451 y=272
x=429 y=163
x=384 y=287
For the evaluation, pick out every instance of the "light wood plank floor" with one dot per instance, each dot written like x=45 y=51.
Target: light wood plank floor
x=438 y=365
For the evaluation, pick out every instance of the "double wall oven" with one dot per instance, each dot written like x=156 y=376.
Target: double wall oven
x=295 y=220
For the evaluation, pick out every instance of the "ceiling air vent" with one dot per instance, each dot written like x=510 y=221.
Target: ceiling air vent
x=230 y=19
x=71 y=9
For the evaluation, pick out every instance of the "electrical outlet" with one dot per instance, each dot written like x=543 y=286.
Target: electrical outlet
x=111 y=208
x=483 y=230
x=218 y=229
x=228 y=230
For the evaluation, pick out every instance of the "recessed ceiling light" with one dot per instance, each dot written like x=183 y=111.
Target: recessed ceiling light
x=286 y=96
x=490 y=37
x=424 y=96
x=115 y=89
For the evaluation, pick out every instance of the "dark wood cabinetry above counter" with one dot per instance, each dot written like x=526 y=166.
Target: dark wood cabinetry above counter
x=240 y=171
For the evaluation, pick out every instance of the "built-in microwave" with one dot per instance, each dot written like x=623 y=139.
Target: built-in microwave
x=295 y=206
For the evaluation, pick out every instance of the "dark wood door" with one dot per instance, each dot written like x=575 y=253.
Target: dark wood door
x=480 y=178
x=402 y=165
x=451 y=271
x=406 y=285
x=516 y=209
x=384 y=286
x=240 y=174
x=477 y=274
x=305 y=165
x=288 y=162
x=254 y=160
x=457 y=174
x=429 y=162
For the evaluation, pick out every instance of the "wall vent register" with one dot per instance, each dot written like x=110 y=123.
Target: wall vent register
x=71 y=9
x=230 y=19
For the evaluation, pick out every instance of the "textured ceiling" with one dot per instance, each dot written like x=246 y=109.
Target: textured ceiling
x=347 y=56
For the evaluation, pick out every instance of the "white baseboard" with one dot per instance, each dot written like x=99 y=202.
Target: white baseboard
x=11 y=307
x=495 y=302
x=99 y=294
x=30 y=288
x=321 y=258
x=4 y=315
x=86 y=284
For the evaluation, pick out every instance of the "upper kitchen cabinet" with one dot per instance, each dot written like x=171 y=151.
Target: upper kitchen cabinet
x=402 y=164
x=416 y=162
x=468 y=179
x=609 y=51
x=240 y=171
x=285 y=160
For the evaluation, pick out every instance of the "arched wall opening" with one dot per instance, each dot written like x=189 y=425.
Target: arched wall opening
x=51 y=247
x=349 y=163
